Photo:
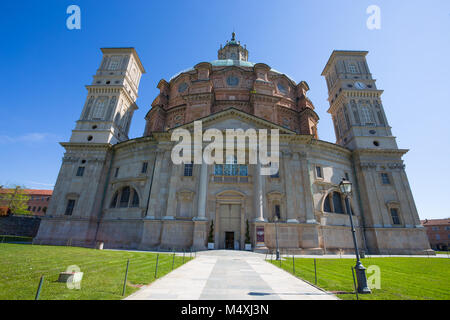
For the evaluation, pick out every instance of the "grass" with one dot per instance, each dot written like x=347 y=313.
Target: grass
x=401 y=278
x=104 y=271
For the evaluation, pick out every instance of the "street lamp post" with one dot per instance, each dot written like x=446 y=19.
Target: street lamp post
x=346 y=188
x=276 y=238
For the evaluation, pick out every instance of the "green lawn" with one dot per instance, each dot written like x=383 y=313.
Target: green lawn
x=401 y=278
x=104 y=271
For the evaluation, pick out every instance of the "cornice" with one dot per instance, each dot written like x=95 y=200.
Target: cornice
x=362 y=152
x=84 y=145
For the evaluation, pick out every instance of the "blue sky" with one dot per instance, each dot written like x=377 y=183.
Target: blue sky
x=45 y=67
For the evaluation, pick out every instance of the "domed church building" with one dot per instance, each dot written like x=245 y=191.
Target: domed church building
x=128 y=193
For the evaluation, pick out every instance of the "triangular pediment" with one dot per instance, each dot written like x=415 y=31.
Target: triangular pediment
x=235 y=119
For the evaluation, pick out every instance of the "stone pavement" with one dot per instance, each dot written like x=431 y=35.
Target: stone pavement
x=225 y=275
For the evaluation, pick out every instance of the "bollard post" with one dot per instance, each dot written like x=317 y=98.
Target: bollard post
x=293 y=264
x=125 y=280
x=156 y=268
x=173 y=259
x=354 y=283
x=315 y=271
x=38 y=292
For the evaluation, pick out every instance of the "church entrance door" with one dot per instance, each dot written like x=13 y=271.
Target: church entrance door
x=229 y=240
x=230 y=226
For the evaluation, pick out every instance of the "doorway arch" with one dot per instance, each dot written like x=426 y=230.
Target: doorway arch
x=230 y=220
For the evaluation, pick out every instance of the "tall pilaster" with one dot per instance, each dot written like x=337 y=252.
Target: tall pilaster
x=258 y=197
x=203 y=186
x=154 y=194
x=290 y=186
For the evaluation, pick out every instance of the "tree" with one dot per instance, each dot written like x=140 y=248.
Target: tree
x=17 y=200
x=247 y=234
x=211 y=232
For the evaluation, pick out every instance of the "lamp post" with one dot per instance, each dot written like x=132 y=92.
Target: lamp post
x=346 y=188
x=276 y=238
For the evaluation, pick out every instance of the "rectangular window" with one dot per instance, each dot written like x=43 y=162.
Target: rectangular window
x=116 y=174
x=352 y=68
x=243 y=170
x=366 y=115
x=188 y=169
x=144 y=167
x=395 y=217
x=218 y=170
x=385 y=178
x=319 y=172
x=435 y=228
x=70 y=206
x=438 y=237
x=80 y=171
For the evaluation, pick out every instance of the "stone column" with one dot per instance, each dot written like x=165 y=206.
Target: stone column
x=153 y=202
x=172 y=197
x=202 y=189
x=290 y=186
x=309 y=201
x=258 y=195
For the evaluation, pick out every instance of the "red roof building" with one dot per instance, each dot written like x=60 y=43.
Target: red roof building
x=37 y=204
x=438 y=232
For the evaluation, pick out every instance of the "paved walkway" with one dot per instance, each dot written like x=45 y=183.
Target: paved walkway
x=224 y=275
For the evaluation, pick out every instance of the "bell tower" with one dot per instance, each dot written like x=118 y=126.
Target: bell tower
x=355 y=103
x=111 y=99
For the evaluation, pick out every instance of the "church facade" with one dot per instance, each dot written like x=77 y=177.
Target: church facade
x=127 y=193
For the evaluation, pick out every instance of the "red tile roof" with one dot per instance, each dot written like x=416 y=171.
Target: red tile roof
x=435 y=222
x=33 y=192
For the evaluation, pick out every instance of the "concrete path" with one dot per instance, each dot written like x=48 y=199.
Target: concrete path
x=225 y=275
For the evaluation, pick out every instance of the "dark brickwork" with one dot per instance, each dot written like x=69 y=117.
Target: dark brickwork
x=19 y=226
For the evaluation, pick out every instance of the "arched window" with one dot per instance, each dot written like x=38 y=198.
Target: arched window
x=366 y=115
x=326 y=204
x=122 y=197
x=337 y=203
x=99 y=110
x=125 y=197
x=114 y=200
x=135 y=202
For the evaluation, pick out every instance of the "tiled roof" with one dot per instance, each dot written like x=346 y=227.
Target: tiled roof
x=33 y=192
x=435 y=222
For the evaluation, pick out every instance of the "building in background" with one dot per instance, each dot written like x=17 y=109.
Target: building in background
x=37 y=203
x=438 y=232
